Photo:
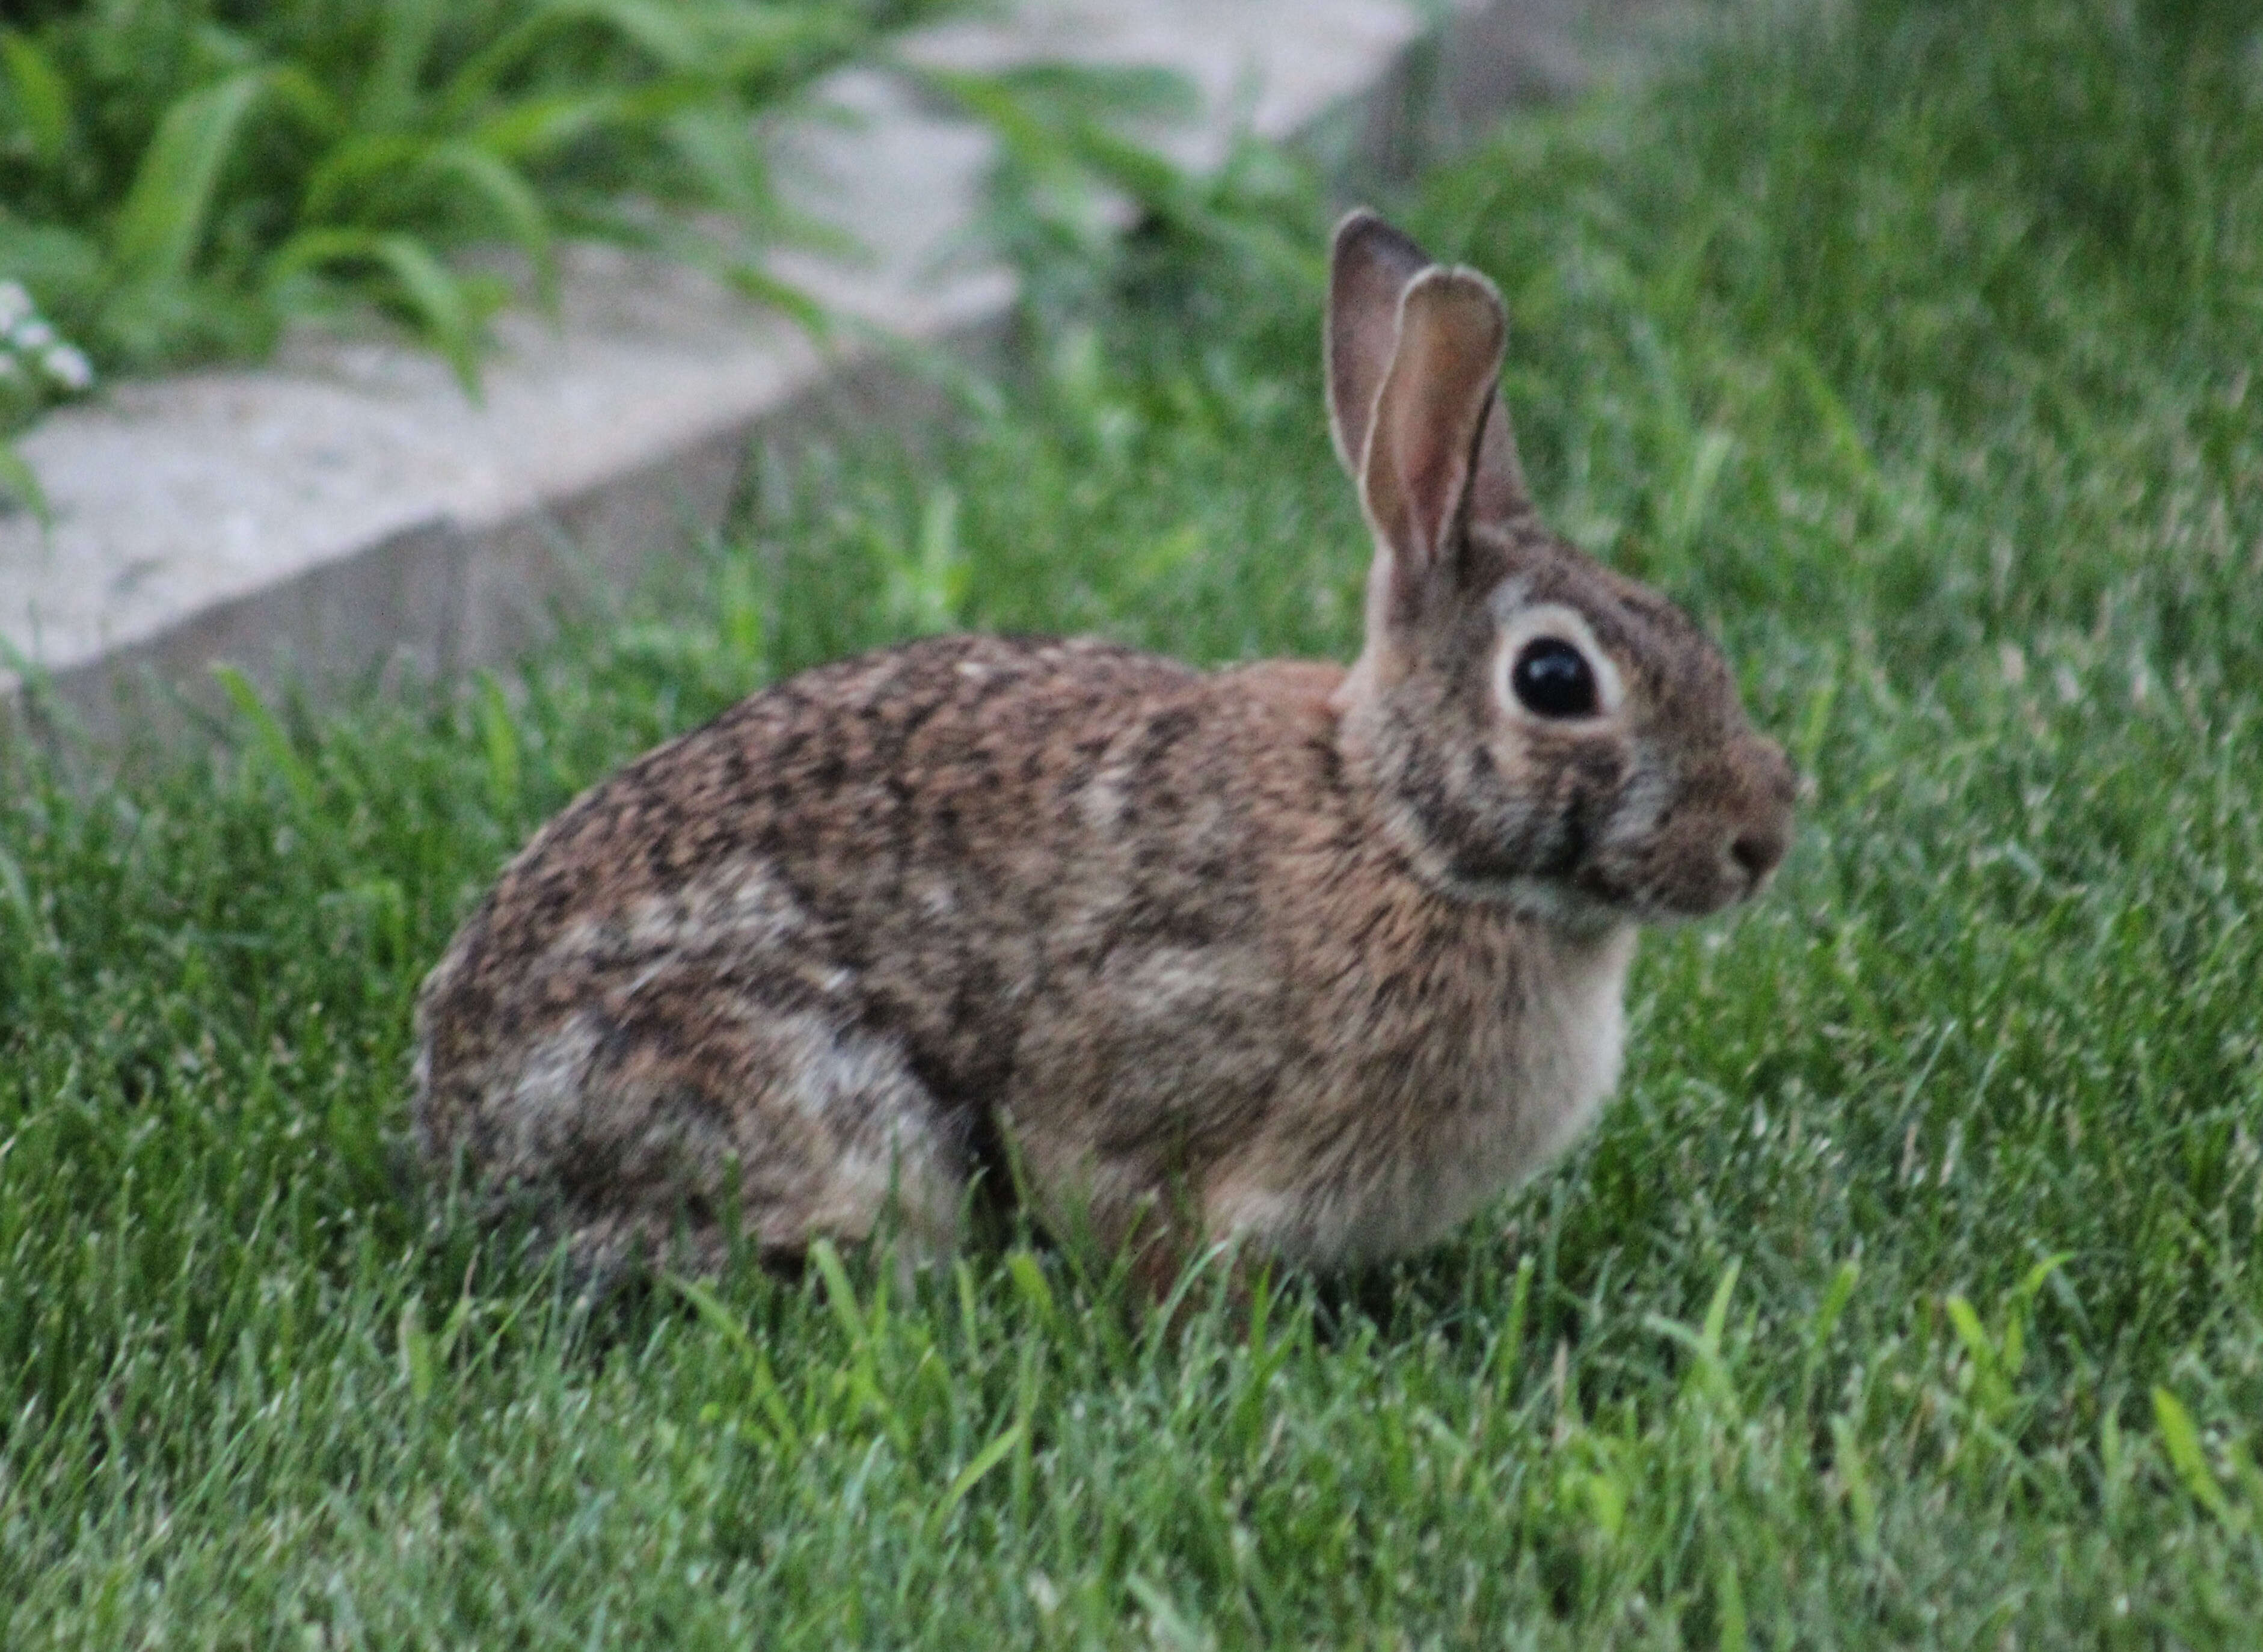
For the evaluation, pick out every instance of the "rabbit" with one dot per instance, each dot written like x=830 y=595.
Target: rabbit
x=1310 y=962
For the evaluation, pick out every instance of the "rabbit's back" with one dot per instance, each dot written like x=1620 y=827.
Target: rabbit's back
x=829 y=935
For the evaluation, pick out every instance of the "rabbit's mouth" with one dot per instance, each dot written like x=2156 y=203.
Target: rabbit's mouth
x=1575 y=908
x=1679 y=895
x=1592 y=901
x=1590 y=883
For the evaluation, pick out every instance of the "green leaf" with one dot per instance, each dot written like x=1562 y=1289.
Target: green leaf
x=20 y=485
x=43 y=100
x=1836 y=1295
x=797 y=304
x=1854 y=1481
x=405 y=34
x=986 y=1460
x=1716 y=1311
x=443 y=305
x=498 y=185
x=1731 y=1633
x=1030 y=1282
x=1970 y=1331
x=165 y=218
x=1509 y=1347
x=710 y=1307
x=358 y=180
x=753 y=43
x=418 y=1358
x=1054 y=94
x=535 y=126
x=350 y=177
x=756 y=1367
x=658 y=30
x=1605 y=1492
x=268 y=738
x=168 y=211
x=13 y=886
x=718 y=148
x=840 y=1292
x=475 y=81
x=1815 y=720
x=1841 y=436
x=2182 y=1441
x=499 y=732
x=1167 y=1625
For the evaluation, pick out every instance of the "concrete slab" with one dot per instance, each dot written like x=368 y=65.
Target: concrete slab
x=348 y=505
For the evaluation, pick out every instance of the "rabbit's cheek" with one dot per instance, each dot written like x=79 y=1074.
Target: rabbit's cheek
x=1625 y=823
x=1549 y=805
x=1509 y=830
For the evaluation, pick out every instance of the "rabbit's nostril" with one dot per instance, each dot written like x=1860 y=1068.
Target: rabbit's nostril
x=1759 y=852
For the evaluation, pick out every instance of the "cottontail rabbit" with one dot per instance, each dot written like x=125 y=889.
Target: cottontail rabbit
x=1320 y=959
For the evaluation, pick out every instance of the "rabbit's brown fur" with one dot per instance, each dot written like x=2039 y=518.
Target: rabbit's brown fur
x=1323 y=959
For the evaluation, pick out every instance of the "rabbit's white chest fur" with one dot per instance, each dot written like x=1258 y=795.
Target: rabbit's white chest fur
x=1457 y=1126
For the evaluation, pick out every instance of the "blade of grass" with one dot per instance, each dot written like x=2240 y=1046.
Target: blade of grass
x=445 y=306
x=20 y=484
x=42 y=96
x=268 y=737
x=389 y=98
x=164 y=220
x=518 y=209
x=2180 y=1440
x=167 y=213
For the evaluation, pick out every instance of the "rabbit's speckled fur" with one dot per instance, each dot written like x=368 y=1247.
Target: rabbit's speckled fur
x=1317 y=958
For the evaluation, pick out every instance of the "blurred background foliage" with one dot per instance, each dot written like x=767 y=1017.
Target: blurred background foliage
x=178 y=177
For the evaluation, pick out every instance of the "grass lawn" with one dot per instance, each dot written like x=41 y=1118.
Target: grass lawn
x=1908 y=1294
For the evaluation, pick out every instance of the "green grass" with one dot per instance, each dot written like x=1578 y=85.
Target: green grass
x=1908 y=1294
x=179 y=178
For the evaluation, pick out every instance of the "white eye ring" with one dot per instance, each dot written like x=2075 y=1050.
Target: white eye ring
x=1523 y=626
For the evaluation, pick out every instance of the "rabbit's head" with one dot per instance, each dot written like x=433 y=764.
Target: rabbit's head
x=1544 y=731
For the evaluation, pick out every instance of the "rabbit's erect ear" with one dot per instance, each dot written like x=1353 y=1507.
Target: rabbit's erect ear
x=1369 y=266
x=1496 y=492
x=1418 y=476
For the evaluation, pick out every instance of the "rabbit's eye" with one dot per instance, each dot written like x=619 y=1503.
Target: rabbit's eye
x=1553 y=679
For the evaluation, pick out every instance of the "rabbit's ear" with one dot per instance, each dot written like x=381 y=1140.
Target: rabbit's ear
x=1497 y=491
x=1418 y=477
x=1369 y=266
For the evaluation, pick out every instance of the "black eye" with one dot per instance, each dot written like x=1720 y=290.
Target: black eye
x=1553 y=679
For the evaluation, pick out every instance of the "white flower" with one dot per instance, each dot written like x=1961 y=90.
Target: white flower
x=16 y=305
x=68 y=366
x=31 y=334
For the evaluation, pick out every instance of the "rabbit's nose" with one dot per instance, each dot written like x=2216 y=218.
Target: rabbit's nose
x=1759 y=851
x=1758 y=844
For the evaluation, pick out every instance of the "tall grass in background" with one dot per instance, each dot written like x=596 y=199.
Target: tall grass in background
x=1908 y=1296
x=1909 y=271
